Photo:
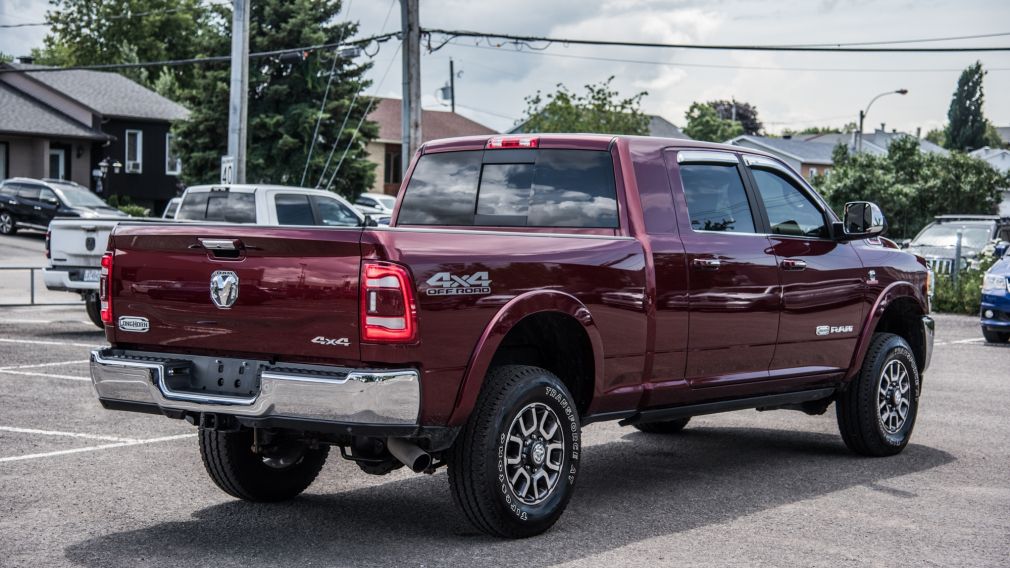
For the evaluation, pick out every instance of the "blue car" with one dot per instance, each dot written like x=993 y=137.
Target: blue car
x=995 y=311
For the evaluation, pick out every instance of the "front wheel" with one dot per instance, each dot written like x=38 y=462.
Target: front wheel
x=877 y=412
x=7 y=225
x=94 y=308
x=282 y=473
x=513 y=467
x=995 y=336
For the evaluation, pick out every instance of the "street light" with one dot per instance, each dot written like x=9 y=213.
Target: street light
x=862 y=115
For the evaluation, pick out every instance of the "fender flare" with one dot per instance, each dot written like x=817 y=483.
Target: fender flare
x=511 y=314
x=894 y=291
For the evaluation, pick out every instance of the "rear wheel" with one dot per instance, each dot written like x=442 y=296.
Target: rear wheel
x=7 y=226
x=665 y=427
x=877 y=412
x=94 y=308
x=513 y=468
x=995 y=336
x=280 y=474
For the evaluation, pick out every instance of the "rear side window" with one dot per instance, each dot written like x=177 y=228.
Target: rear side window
x=716 y=199
x=551 y=188
x=293 y=209
x=28 y=192
x=227 y=206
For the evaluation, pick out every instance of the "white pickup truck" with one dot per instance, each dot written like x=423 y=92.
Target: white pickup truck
x=75 y=247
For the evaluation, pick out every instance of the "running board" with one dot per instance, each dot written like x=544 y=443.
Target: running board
x=764 y=402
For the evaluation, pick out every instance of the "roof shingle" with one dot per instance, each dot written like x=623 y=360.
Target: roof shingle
x=22 y=114
x=435 y=124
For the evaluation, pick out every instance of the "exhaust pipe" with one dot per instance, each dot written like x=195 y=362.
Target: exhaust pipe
x=409 y=454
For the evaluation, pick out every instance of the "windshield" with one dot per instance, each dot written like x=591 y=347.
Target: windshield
x=74 y=196
x=386 y=201
x=975 y=236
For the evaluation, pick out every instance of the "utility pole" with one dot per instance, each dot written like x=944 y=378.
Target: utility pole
x=452 y=85
x=411 y=110
x=238 y=104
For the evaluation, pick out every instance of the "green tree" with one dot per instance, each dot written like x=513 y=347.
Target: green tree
x=600 y=110
x=285 y=94
x=849 y=127
x=966 y=129
x=937 y=136
x=85 y=32
x=744 y=113
x=704 y=123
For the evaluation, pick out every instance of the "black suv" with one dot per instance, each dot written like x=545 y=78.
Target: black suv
x=32 y=203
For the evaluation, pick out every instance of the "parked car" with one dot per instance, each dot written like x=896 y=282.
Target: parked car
x=171 y=208
x=527 y=286
x=375 y=204
x=32 y=203
x=936 y=241
x=995 y=309
x=267 y=205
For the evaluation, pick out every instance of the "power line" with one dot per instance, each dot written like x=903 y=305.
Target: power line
x=521 y=39
x=899 y=41
x=718 y=66
x=200 y=60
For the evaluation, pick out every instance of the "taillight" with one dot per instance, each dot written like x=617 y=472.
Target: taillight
x=105 y=288
x=49 y=236
x=513 y=142
x=388 y=311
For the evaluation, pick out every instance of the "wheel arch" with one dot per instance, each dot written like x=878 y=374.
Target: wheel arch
x=545 y=328
x=899 y=310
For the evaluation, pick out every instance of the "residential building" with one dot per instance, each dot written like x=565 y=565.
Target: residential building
x=386 y=150
x=62 y=124
x=807 y=158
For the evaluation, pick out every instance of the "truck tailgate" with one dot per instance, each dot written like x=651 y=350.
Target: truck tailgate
x=79 y=242
x=297 y=290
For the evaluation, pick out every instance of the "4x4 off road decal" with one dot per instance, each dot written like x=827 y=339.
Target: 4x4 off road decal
x=449 y=284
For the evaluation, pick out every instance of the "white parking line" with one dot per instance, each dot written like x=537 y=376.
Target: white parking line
x=38 y=321
x=95 y=448
x=66 y=434
x=972 y=340
x=40 y=342
x=45 y=375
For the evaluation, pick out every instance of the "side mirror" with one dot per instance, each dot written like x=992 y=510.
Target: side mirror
x=1001 y=249
x=52 y=200
x=369 y=221
x=862 y=220
x=905 y=243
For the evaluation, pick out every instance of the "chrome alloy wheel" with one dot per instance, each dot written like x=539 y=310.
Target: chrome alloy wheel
x=894 y=396
x=6 y=223
x=534 y=453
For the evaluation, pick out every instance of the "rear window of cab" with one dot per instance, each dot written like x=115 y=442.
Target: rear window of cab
x=512 y=188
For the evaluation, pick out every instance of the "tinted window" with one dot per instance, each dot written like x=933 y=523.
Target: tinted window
x=8 y=189
x=367 y=202
x=552 y=188
x=293 y=209
x=47 y=194
x=716 y=200
x=790 y=210
x=29 y=192
x=333 y=213
x=228 y=206
x=442 y=190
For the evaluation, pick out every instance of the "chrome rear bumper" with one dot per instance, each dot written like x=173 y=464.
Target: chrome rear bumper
x=307 y=392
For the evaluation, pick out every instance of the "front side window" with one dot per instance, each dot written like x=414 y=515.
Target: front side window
x=716 y=198
x=333 y=213
x=48 y=195
x=293 y=209
x=134 y=151
x=790 y=211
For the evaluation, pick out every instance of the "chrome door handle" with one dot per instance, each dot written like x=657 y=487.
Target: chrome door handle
x=12 y=202
x=37 y=208
x=707 y=263
x=794 y=264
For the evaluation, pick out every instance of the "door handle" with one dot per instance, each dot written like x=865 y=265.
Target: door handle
x=794 y=264
x=37 y=208
x=706 y=263
x=12 y=202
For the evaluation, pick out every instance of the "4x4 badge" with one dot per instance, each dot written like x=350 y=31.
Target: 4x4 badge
x=449 y=284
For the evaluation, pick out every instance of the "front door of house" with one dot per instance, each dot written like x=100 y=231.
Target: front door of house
x=58 y=163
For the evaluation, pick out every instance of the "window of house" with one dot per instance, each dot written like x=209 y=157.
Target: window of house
x=134 y=151
x=812 y=173
x=790 y=210
x=3 y=160
x=716 y=198
x=173 y=163
x=394 y=164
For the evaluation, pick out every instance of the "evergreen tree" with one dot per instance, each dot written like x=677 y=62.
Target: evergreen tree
x=744 y=113
x=599 y=110
x=967 y=125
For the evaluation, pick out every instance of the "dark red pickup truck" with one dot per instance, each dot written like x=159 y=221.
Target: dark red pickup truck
x=527 y=286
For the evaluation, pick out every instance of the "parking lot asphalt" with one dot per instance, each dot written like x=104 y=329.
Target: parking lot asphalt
x=83 y=486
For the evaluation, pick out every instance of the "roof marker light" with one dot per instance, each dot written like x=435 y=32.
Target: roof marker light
x=513 y=142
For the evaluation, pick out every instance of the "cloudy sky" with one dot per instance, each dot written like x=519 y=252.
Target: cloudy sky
x=790 y=90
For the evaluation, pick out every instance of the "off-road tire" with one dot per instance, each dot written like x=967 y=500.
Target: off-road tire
x=7 y=224
x=231 y=463
x=477 y=469
x=93 y=306
x=995 y=336
x=665 y=427
x=857 y=408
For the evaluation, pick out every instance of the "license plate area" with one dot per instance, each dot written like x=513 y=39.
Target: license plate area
x=91 y=275
x=212 y=376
